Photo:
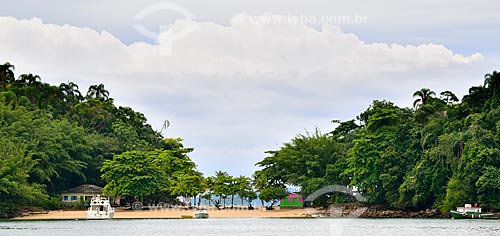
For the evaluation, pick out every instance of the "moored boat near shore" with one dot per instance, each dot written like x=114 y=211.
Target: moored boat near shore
x=100 y=209
x=201 y=214
x=469 y=212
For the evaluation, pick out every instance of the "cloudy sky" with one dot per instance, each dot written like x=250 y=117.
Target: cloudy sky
x=237 y=78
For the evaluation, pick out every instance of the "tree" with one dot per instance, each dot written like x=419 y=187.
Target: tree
x=30 y=79
x=6 y=74
x=58 y=147
x=150 y=174
x=98 y=92
x=488 y=186
x=423 y=96
x=132 y=174
x=70 y=92
x=188 y=185
x=492 y=83
x=449 y=97
x=272 y=194
x=94 y=115
x=15 y=190
x=243 y=187
x=222 y=185
x=475 y=101
x=344 y=128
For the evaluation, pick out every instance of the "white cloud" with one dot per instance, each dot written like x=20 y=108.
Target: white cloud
x=248 y=46
x=234 y=91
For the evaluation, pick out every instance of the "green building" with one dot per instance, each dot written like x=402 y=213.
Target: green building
x=293 y=200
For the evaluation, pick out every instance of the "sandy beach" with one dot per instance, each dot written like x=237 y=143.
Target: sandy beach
x=172 y=213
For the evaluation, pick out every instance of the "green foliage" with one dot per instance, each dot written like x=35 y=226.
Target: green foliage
x=456 y=195
x=15 y=189
x=488 y=186
x=272 y=194
x=221 y=186
x=189 y=184
x=52 y=203
x=312 y=156
x=67 y=137
x=146 y=174
x=440 y=154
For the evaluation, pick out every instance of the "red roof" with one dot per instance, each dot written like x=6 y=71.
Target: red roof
x=293 y=195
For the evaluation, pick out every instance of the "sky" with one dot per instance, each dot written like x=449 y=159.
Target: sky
x=238 y=78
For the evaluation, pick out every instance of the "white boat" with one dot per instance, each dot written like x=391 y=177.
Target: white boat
x=100 y=209
x=469 y=211
x=201 y=214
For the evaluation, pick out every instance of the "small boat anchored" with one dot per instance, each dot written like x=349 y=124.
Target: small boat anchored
x=100 y=209
x=201 y=214
x=469 y=212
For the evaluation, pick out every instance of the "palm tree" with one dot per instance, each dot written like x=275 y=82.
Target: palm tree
x=423 y=97
x=70 y=91
x=243 y=187
x=6 y=74
x=30 y=79
x=492 y=83
x=222 y=185
x=492 y=80
x=98 y=92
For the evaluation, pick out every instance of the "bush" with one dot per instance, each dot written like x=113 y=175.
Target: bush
x=52 y=203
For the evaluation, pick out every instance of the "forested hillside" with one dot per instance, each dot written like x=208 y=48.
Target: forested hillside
x=440 y=153
x=56 y=137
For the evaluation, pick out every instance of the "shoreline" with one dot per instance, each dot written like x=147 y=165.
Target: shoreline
x=349 y=210
x=177 y=213
x=170 y=213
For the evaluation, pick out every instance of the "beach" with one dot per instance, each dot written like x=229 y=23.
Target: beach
x=172 y=213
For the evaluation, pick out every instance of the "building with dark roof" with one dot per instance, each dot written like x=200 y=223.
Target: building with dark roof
x=84 y=192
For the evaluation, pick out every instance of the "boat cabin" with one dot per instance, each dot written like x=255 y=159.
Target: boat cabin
x=469 y=208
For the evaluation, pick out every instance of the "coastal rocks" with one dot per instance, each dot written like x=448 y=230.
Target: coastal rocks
x=355 y=210
x=376 y=213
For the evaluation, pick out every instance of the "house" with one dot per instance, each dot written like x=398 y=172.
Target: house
x=84 y=192
x=292 y=200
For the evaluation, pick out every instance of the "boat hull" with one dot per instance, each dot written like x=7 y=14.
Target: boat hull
x=99 y=216
x=203 y=215
x=470 y=215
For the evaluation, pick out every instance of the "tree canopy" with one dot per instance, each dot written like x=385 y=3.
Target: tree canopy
x=439 y=154
x=53 y=138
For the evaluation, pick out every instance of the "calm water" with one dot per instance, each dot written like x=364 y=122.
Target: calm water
x=254 y=227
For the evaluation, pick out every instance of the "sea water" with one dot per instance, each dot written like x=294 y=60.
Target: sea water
x=253 y=227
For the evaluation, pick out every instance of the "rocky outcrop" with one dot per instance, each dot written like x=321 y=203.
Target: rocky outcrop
x=357 y=210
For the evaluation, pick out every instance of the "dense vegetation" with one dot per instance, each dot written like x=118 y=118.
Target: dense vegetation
x=53 y=138
x=439 y=154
